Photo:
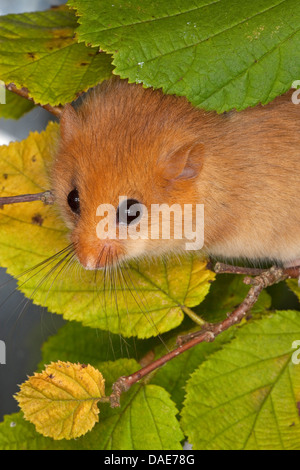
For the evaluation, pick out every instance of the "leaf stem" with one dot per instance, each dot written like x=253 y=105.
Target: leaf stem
x=198 y=320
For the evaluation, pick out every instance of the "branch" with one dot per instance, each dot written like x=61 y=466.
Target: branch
x=46 y=197
x=263 y=279
x=221 y=268
x=23 y=92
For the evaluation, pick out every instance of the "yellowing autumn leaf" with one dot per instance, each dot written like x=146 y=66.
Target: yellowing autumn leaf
x=39 y=51
x=31 y=228
x=62 y=400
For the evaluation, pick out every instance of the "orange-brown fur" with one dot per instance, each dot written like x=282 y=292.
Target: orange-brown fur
x=244 y=167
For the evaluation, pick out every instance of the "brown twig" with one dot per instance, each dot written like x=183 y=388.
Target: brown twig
x=264 y=279
x=46 y=197
x=24 y=93
x=221 y=268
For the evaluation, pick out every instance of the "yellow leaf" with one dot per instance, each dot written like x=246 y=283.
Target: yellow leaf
x=62 y=400
x=29 y=232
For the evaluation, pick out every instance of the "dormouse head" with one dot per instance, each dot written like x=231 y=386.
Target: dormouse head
x=129 y=160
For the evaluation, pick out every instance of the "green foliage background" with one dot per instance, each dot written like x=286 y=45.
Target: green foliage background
x=243 y=390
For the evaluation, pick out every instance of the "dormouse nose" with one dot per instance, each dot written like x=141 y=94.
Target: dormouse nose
x=99 y=255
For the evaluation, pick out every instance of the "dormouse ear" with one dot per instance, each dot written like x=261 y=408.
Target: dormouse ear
x=183 y=163
x=68 y=122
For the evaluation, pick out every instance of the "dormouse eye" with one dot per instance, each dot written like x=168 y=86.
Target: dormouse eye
x=129 y=212
x=73 y=201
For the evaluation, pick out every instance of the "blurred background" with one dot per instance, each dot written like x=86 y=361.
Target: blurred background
x=23 y=326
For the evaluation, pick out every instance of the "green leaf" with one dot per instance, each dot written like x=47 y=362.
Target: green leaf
x=293 y=285
x=75 y=343
x=150 y=405
x=144 y=301
x=15 y=106
x=119 y=428
x=220 y=55
x=175 y=374
x=18 y=434
x=38 y=51
x=246 y=396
